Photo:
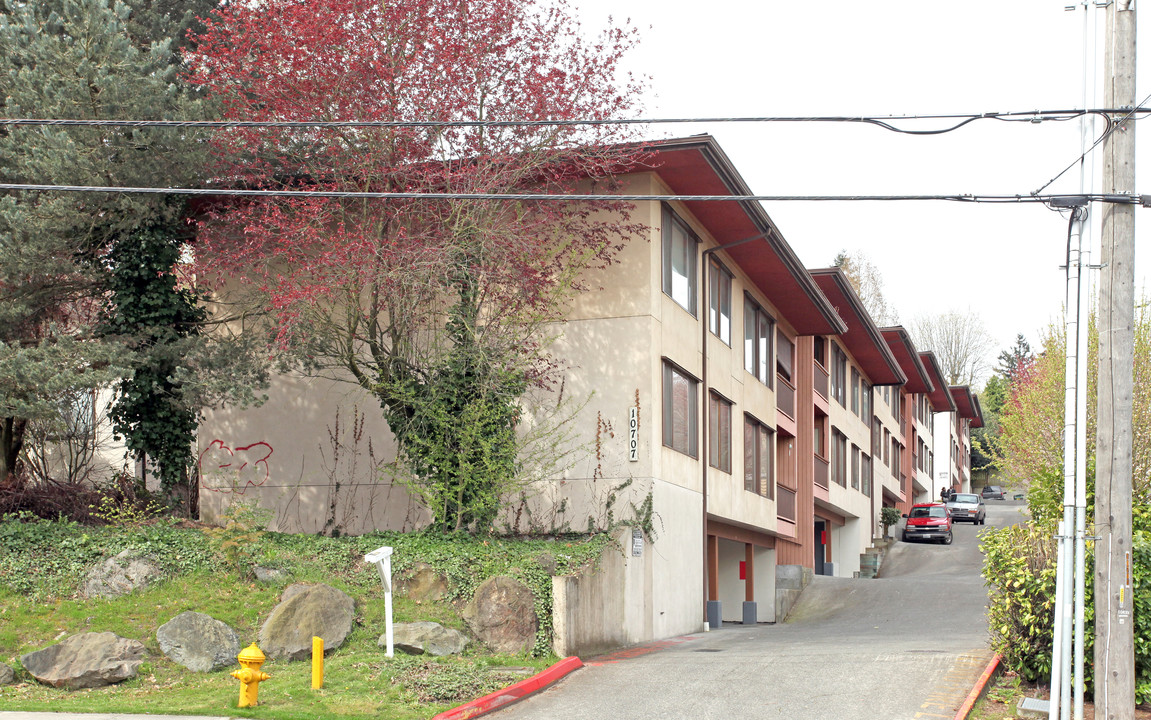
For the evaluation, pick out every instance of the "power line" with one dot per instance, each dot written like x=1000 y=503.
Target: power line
x=1111 y=125
x=883 y=121
x=1063 y=200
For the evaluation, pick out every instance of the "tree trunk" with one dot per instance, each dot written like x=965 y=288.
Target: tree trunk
x=11 y=442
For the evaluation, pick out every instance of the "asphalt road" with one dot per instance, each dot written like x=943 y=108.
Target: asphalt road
x=909 y=644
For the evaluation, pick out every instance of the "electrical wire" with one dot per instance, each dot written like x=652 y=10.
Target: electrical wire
x=1051 y=200
x=883 y=121
x=1111 y=127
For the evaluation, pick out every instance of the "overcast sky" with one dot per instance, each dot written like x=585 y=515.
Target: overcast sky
x=845 y=57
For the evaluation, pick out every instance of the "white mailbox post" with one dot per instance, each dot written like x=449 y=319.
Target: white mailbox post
x=382 y=559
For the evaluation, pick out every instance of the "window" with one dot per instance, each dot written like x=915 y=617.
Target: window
x=854 y=391
x=865 y=474
x=679 y=261
x=838 y=375
x=886 y=447
x=719 y=433
x=719 y=292
x=784 y=356
x=820 y=350
x=854 y=467
x=865 y=400
x=818 y=438
x=758 y=460
x=757 y=330
x=838 y=457
x=680 y=413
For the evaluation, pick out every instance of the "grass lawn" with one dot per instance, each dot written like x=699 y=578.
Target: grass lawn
x=40 y=605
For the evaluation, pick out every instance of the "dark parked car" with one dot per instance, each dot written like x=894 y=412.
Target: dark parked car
x=967 y=506
x=928 y=521
x=994 y=492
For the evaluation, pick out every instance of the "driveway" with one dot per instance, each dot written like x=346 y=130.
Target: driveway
x=909 y=644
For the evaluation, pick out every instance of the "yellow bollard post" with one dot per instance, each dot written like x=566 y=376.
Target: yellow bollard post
x=250 y=677
x=317 y=662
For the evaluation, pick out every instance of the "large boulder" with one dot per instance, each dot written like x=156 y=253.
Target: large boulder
x=502 y=615
x=423 y=584
x=305 y=611
x=199 y=642
x=126 y=572
x=418 y=638
x=7 y=675
x=86 y=660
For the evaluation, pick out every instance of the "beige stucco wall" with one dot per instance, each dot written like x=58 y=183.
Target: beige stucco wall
x=629 y=599
x=289 y=454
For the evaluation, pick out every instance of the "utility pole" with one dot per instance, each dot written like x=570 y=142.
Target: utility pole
x=1114 y=622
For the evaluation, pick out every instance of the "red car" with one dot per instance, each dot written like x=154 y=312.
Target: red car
x=928 y=521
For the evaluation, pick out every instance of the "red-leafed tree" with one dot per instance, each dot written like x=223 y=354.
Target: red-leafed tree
x=440 y=308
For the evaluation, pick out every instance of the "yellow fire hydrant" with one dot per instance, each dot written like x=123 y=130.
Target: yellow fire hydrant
x=250 y=677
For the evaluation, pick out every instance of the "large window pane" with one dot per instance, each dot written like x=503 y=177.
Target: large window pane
x=719 y=433
x=680 y=413
x=719 y=301
x=748 y=455
x=764 y=366
x=679 y=261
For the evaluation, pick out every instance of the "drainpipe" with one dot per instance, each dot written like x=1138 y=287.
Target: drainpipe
x=705 y=312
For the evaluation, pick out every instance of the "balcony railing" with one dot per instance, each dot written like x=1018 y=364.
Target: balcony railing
x=785 y=504
x=821 y=472
x=785 y=397
x=820 y=380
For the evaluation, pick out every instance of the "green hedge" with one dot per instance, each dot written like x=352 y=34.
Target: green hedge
x=1019 y=568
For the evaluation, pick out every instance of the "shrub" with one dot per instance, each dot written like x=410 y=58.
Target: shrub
x=1020 y=570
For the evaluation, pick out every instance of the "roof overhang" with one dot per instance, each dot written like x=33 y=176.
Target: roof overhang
x=697 y=166
x=905 y=353
x=862 y=339
x=940 y=397
x=967 y=404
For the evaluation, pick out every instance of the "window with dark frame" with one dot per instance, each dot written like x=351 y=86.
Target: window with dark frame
x=854 y=467
x=719 y=303
x=719 y=433
x=758 y=327
x=819 y=350
x=838 y=457
x=784 y=356
x=855 y=391
x=680 y=411
x=680 y=258
x=838 y=375
x=758 y=458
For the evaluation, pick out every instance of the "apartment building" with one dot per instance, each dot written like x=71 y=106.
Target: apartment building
x=953 y=431
x=849 y=370
x=938 y=401
x=753 y=406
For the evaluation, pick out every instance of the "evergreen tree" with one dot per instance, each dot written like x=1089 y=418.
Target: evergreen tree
x=1013 y=362
x=60 y=251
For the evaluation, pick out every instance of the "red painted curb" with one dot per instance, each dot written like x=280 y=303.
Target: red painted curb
x=513 y=692
x=979 y=689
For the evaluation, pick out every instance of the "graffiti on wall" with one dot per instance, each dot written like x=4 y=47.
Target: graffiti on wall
x=234 y=470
